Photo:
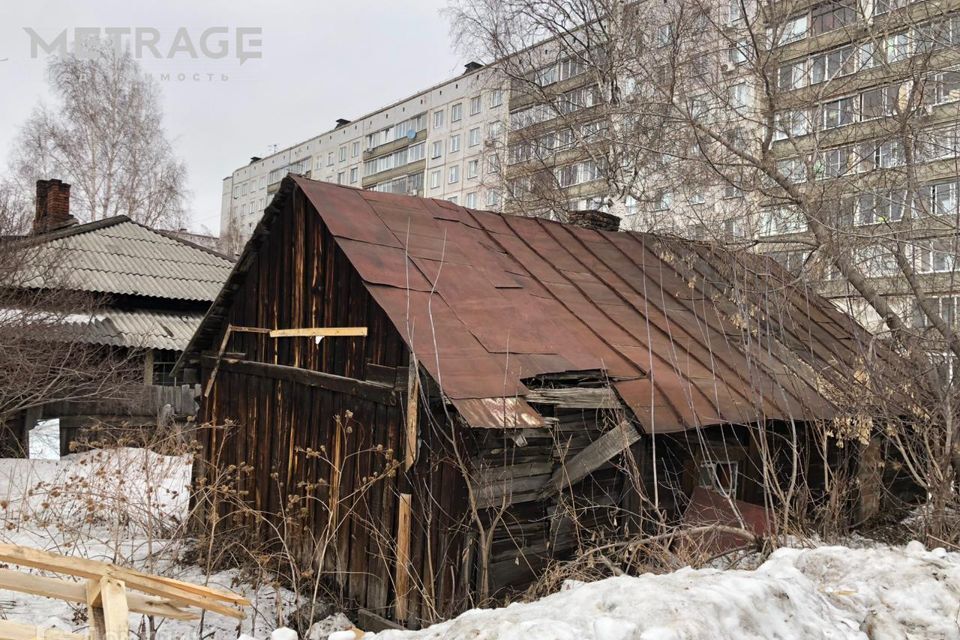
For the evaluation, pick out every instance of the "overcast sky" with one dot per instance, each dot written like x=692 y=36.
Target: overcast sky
x=321 y=60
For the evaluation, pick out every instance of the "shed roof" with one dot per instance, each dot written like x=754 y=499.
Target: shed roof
x=119 y=256
x=688 y=334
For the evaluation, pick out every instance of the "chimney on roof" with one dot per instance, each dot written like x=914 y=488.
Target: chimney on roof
x=593 y=219
x=255 y=159
x=342 y=122
x=471 y=66
x=53 y=207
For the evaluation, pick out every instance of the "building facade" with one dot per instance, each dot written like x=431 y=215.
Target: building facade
x=442 y=143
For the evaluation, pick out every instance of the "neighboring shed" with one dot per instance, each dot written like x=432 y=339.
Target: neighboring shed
x=446 y=393
x=149 y=289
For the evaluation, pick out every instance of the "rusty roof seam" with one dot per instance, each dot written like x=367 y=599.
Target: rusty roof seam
x=662 y=310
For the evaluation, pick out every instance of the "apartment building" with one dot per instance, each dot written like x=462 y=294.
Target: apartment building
x=864 y=102
x=443 y=142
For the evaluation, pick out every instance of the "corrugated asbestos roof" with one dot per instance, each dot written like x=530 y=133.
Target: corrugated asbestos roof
x=141 y=329
x=494 y=300
x=119 y=256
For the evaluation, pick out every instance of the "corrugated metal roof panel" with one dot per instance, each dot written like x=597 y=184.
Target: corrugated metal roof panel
x=140 y=329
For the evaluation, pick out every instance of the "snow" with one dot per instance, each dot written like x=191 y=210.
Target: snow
x=124 y=506
x=831 y=593
x=128 y=506
x=45 y=440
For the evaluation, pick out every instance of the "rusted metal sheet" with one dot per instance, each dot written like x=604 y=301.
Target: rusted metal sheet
x=709 y=508
x=493 y=300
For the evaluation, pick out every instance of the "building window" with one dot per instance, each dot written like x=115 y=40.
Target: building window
x=437 y=149
x=438 y=119
x=353 y=175
x=734 y=12
x=474 y=105
x=663 y=200
x=454 y=174
x=456 y=112
x=794 y=29
x=474 y=137
x=330 y=159
x=470 y=200
x=493 y=198
x=496 y=98
x=719 y=476
x=340 y=176
x=356 y=149
x=738 y=95
x=455 y=143
x=473 y=168
x=947 y=307
x=453 y=199
x=831 y=16
x=776 y=221
x=940 y=255
x=435 y=179
x=343 y=154
x=664 y=35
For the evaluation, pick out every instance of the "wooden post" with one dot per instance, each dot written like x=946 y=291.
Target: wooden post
x=107 y=609
x=413 y=406
x=402 y=568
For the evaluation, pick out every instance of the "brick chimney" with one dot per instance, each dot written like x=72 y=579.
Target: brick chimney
x=593 y=219
x=53 y=206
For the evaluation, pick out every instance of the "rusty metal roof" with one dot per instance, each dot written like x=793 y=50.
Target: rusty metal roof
x=689 y=335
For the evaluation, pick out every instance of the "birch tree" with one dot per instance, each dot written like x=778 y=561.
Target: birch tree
x=104 y=135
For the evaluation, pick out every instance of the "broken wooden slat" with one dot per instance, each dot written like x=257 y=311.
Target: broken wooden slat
x=331 y=382
x=76 y=592
x=593 y=457
x=319 y=332
x=19 y=631
x=575 y=397
x=176 y=591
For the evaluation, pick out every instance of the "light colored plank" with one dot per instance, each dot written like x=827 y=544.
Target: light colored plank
x=113 y=601
x=402 y=570
x=413 y=403
x=69 y=591
x=319 y=332
x=593 y=457
x=19 y=631
x=178 y=592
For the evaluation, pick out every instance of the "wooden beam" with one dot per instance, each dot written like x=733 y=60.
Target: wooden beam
x=70 y=591
x=591 y=458
x=178 y=592
x=402 y=569
x=19 y=631
x=413 y=403
x=575 y=397
x=319 y=332
x=113 y=602
x=380 y=393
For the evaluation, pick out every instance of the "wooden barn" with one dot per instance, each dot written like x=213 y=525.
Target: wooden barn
x=456 y=396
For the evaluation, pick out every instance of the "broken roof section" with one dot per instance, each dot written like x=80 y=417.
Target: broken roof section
x=687 y=334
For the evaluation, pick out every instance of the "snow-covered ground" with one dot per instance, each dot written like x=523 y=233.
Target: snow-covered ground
x=123 y=506
x=126 y=506
x=829 y=593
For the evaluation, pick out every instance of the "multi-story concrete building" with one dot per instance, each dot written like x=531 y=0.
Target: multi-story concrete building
x=443 y=142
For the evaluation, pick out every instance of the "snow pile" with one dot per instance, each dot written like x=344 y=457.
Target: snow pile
x=126 y=506
x=833 y=593
x=128 y=484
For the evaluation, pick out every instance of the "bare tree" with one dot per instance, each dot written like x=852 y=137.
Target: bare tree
x=826 y=136
x=105 y=136
x=45 y=352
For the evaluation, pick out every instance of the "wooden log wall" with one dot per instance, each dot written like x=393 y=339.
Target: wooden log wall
x=327 y=458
